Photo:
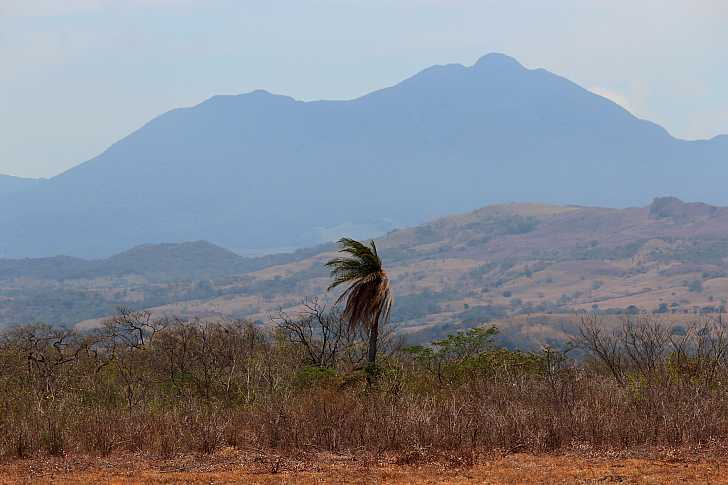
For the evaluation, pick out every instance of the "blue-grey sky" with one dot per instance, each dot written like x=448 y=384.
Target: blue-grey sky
x=77 y=75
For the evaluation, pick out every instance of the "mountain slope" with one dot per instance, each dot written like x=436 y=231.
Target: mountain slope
x=260 y=171
x=11 y=185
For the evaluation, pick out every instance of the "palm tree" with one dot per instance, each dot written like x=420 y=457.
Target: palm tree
x=368 y=295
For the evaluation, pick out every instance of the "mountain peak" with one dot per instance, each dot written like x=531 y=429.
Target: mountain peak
x=498 y=60
x=260 y=92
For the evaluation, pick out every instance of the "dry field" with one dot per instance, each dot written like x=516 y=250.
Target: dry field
x=229 y=466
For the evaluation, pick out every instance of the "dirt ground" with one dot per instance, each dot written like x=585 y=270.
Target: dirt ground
x=661 y=467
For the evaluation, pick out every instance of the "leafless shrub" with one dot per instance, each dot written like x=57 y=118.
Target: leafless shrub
x=646 y=347
x=645 y=341
x=323 y=335
x=603 y=345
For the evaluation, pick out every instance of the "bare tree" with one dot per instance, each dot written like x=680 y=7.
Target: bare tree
x=322 y=333
x=645 y=342
x=603 y=345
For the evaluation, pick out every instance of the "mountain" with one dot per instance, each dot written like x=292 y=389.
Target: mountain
x=12 y=185
x=259 y=171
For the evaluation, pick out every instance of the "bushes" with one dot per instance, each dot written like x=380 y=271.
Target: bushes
x=467 y=356
x=165 y=387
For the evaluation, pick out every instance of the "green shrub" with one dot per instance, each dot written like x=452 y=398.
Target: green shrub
x=311 y=376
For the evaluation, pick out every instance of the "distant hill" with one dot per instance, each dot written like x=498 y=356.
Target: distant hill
x=155 y=262
x=11 y=185
x=501 y=263
x=504 y=261
x=64 y=290
x=261 y=171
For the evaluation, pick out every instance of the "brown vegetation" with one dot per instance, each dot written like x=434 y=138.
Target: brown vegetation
x=167 y=387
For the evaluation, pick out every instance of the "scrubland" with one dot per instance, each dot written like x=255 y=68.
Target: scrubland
x=163 y=389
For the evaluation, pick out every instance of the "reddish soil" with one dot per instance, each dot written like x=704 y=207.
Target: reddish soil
x=662 y=467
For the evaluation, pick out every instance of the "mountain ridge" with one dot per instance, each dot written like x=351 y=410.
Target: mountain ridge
x=258 y=170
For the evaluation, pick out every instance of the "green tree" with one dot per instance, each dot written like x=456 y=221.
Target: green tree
x=470 y=353
x=368 y=295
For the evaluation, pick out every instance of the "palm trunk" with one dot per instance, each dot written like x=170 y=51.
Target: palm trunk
x=373 y=338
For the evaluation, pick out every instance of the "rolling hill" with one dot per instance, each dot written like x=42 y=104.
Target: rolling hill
x=154 y=262
x=259 y=170
x=526 y=266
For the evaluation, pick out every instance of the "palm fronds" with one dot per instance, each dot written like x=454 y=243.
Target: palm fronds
x=368 y=296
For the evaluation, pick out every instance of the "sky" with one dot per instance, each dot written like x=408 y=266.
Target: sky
x=78 y=75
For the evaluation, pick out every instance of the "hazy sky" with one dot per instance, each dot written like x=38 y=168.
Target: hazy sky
x=77 y=75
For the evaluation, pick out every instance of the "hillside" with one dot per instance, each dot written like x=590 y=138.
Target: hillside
x=502 y=262
x=12 y=185
x=260 y=171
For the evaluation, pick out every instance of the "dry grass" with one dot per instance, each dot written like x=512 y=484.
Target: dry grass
x=167 y=393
